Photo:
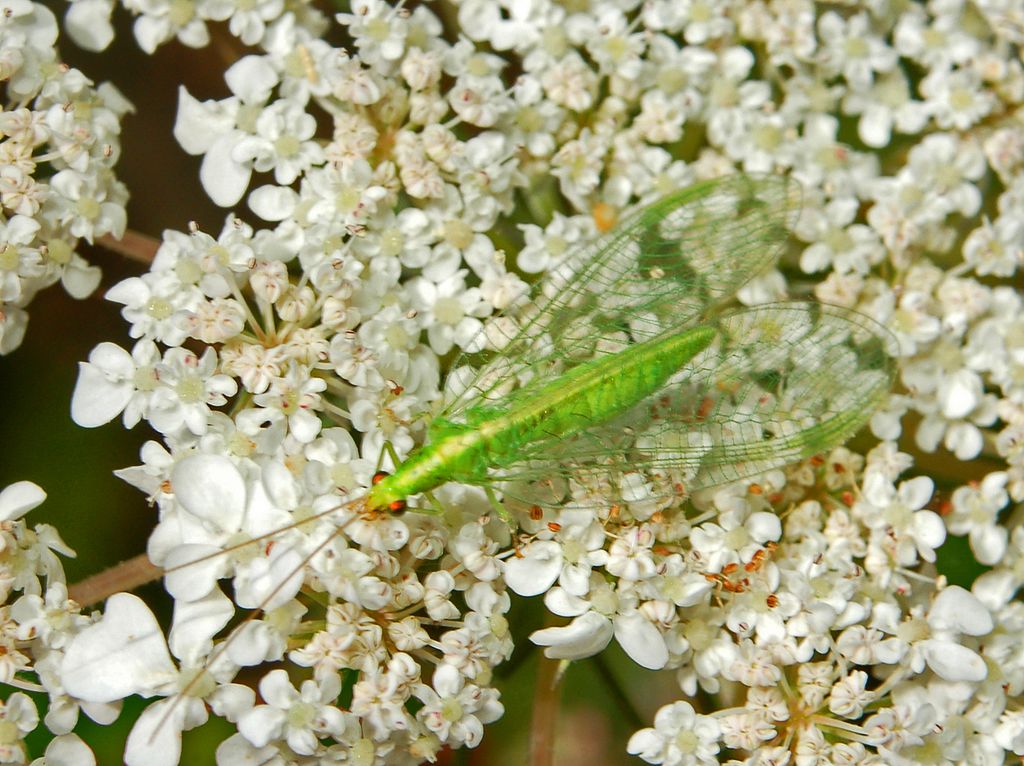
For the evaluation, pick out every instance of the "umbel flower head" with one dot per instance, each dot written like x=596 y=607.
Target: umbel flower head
x=407 y=186
x=60 y=139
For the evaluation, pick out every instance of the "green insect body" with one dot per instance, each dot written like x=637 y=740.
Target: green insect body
x=627 y=362
x=587 y=395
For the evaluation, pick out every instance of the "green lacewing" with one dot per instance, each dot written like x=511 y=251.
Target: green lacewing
x=627 y=378
x=626 y=367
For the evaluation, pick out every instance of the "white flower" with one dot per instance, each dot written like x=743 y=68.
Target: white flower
x=348 y=195
x=479 y=101
x=454 y=710
x=630 y=556
x=910 y=531
x=955 y=417
x=849 y=48
x=379 y=698
x=89 y=205
x=248 y=21
x=392 y=335
x=508 y=26
x=27 y=554
x=996 y=248
x=836 y=241
x=300 y=717
x=613 y=46
x=19 y=716
x=864 y=645
x=18 y=261
x=346 y=573
x=157 y=305
x=407 y=235
x=160 y=21
x=114 y=382
x=545 y=247
x=975 y=513
x=733 y=98
x=885 y=106
x=570 y=83
x=297 y=396
x=569 y=559
x=849 y=695
x=734 y=539
x=379 y=31
x=577 y=165
x=535 y=118
x=281 y=142
x=604 y=613
x=476 y=551
x=50 y=620
x=680 y=737
x=910 y=321
x=956 y=97
x=935 y=39
x=189 y=387
x=747 y=731
x=762 y=145
x=451 y=312
x=945 y=167
x=218 y=507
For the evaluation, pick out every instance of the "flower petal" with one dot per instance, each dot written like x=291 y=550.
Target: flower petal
x=123 y=654
x=643 y=642
x=585 y=636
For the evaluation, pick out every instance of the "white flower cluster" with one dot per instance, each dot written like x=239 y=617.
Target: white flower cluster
x=161 y=21
x=35 y=631
x=280 y=363
x=59 y=141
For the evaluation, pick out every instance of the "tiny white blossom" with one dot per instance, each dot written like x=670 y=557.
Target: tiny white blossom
x=975 y=512
x=680 y=737
x=300 y=717
x=455 y=710
x=848 y=47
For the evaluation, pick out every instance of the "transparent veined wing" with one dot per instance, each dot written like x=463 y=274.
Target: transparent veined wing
x=665 y=267
x=781 y=383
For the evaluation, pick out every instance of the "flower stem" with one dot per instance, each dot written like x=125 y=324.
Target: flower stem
x=546 y=699
x=134 y=245
x=127 y=575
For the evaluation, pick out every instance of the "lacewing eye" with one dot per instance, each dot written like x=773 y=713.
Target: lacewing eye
x=397 y=507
